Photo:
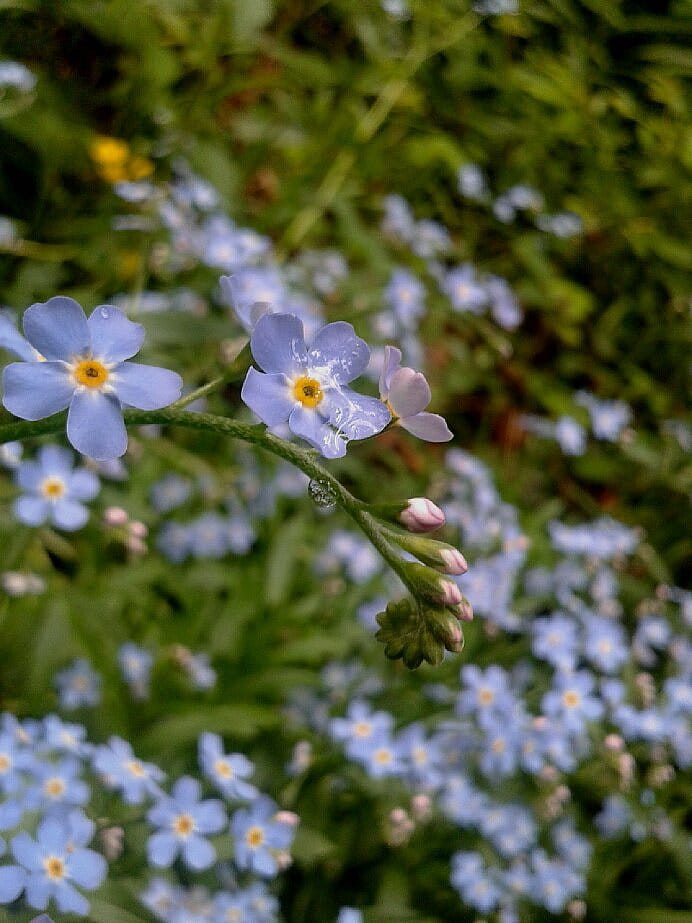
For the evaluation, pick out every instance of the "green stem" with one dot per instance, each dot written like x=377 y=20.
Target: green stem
x=233 y=372
x=256 y=434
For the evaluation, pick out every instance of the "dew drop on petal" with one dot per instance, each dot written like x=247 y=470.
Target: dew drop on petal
x=322 y=494
x=105 y=313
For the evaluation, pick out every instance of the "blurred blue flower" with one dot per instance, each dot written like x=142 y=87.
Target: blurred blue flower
x=405 y=295
x=170 y=492
x=184 y=821
x=78 y=685
x=227 y=771
x=121 y=769
x=571 y=701
x=258 y=836
x=85 y=370
x=135 y=664
x=464 y=290
x=54 y=490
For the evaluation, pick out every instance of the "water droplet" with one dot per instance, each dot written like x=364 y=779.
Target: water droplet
x=105 y=313
x=322 y=494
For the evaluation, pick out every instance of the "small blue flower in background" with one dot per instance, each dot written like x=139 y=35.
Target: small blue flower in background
x=85 y=370
x=349 y=915
x=50 y=864
x=252 y=292
x=571 y=701
x=12 y=340
x=56 y=785
x=55 y=491
x=308 y=386
x=405 y=295
x=463 y=289
x=121 y=769
x=78 y=685
x=570 y=436
x=227 y=771
x=407 y=394
x=185 y=821
x=259 y=835
x=135 y=664
x=170 y=492
x=472 y=183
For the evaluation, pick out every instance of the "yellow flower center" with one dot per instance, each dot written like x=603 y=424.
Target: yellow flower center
x=383 y=757
x=233 y=915
x=183 y=825
x=571 y=699
x=362 y=729
x=55 y=868
x=254 y=837
x=307 y=391
x=486 y=696
x=135 y=768
x=52 y=488
x=54 y=788
x=5 y=762
x=222 y=769
x=498 y=745
x=91 y=373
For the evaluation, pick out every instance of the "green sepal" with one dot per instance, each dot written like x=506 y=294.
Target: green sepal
x=415 y=632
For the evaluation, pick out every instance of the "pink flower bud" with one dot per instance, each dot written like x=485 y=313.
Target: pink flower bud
x=613 y=742
x=422 y=515
x=450 y=594
x=454 y=562
x=464 y=611
x=115 y=516
x=138 y=529
x=421 y=807
x=290 y=818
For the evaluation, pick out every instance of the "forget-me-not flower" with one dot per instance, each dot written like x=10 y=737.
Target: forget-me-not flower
x=184 y=821
x=227 y=771
x=407 y=394
x=55 y=491
x=258 y=835
x=85 y=369
x=78 y=685
x=308 y=386
x=121 y=769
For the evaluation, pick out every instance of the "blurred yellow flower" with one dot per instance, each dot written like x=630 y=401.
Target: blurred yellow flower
x=115 y=162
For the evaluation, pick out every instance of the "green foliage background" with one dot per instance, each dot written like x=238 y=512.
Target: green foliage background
x=303 y=115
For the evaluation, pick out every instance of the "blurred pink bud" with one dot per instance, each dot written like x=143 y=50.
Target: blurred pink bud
x=138 y=529
x=450 y=594
x=464 y=611
x=283 y=859
x=454 y=561
x=421 y=807
x=613 y=742
x=287 y=817
x=115 y=516
x=422 y=515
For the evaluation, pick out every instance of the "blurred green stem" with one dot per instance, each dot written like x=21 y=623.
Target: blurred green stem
x=256 y=434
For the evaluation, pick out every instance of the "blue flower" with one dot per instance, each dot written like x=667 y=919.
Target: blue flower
x=49 y=865
x=185 y=822
x=78 y=685
x=258 y=836
x=12 y=340
x=85 y=370
x=135 y=665
x=122 y=770
x=407 y=394
x=405 y=295
x=571 y=703
x=227 y=771
x=170 y=492
x=463 y=289
x=54 y=490
x=56 y=785
x=307 y=386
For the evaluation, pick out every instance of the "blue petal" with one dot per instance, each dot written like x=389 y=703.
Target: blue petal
x=27 y=852
x=12 y=881
x=198 y=853
x=278 y=344
x=95 y=425
x=57 y=328
x=264 y=863
x=113 y=337
x=29 y=475
x=186 y=792
x=210 y=816
x=34 y=390
x=55 y=460
x=310 y=426
x=37 y=890
x=161 y=849
x=32 y=511
x=269 y=396
x=87 y=868
x=84 y=485
x=12 y=340
x=69 y=900
x=357 y=416
x=146 y=386
x=69 y=515
x=337 y=348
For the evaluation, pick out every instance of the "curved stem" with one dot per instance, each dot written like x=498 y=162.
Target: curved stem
x=256 y=434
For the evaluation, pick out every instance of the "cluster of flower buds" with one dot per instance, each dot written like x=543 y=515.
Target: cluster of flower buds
x=131 y=532
x=423 y=627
